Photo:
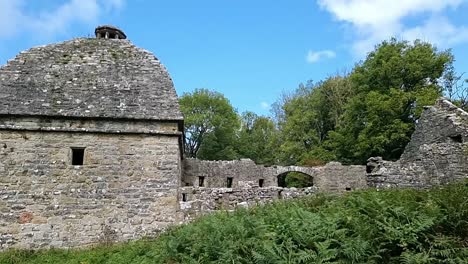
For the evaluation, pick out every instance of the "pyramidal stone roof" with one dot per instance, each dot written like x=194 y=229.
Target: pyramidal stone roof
x=88 y=78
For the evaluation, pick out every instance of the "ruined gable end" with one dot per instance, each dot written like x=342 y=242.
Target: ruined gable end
x=442 y=123
x=437 y=153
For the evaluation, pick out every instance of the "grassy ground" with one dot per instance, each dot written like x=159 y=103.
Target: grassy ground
x=395 y=226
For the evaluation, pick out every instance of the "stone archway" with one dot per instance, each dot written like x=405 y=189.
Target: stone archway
x=295 y=178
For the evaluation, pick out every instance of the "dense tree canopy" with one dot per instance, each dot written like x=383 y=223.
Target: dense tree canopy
x=391 y=87
x=370 y=111
x=257 y=139
x=210 y=125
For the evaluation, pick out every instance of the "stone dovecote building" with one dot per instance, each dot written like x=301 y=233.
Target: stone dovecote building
x=90 y=143
x=91 y=151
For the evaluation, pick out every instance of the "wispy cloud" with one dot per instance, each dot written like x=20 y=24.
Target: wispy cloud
x=315 y=56
x=11 y=17
x=14 y=19
x=265 y=105
x=375 y=20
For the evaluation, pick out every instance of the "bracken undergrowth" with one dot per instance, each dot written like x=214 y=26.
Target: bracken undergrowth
x=391 y=226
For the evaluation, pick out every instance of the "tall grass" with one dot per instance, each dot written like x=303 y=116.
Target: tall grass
x=394 y=226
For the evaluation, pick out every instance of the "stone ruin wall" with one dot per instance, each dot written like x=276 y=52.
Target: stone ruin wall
x=332 y=177
x=135 y=183
x=439 y=164
x=195 y=200
x=128 y=188
x=437 y=153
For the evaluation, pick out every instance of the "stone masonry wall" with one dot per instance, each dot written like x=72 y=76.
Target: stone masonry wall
x=195 y=201
x=133 y=182
x=88 y=77
x=437 y=153
x=439 y=164
x=443 y=123
x=332 y=177
x=126 y=189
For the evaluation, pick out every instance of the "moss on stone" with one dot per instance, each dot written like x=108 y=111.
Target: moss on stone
x=465 y=149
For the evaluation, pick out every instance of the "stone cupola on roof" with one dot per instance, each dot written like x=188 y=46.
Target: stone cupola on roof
x=102 y=77
x=108 y=31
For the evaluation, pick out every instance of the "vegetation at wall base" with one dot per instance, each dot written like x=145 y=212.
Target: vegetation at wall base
x=391 y=226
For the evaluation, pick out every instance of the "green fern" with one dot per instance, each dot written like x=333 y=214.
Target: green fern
x=393 y=226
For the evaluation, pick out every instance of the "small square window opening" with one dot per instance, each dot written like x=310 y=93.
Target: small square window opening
x=78 y=156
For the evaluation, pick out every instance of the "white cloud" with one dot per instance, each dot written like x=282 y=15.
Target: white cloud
x=315 y=56
x=14 y=19
x=377 y=20
x=11 y=17
x=265 y=105
x=114 y=4
x=438 y=29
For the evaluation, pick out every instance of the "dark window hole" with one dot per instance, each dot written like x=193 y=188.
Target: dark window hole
x=184 y=197
x=78 y=156
x=201 y=181
x=457 y=139
x=261 y=182
x=229 y=182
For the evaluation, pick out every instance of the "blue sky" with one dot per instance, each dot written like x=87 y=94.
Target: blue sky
x=249 y=50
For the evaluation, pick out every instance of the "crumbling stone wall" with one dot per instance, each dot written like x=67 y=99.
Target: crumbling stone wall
x=332 y=177
x=118 y=102
x=437 y=153
x=195 y=201
x=126 y=189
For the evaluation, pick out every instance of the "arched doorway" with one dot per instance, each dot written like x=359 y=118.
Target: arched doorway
x=295 y=179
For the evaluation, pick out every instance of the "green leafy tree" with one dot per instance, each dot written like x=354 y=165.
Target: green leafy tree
x=258 y=139
x=391 y=87
x=309 y=115
x=210 y=125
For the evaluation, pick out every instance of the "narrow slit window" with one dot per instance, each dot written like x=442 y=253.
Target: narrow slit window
x=184 y=197
x=201 y=181
x=229 y=182
x=261 y=182
x=78 y=156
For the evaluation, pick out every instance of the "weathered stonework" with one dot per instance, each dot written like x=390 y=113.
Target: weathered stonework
x=196 y=201
x=116 y=104
x=91 y=151
x=127 y=189
x=332 y=177
x=437 y=153
x=86 y=77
